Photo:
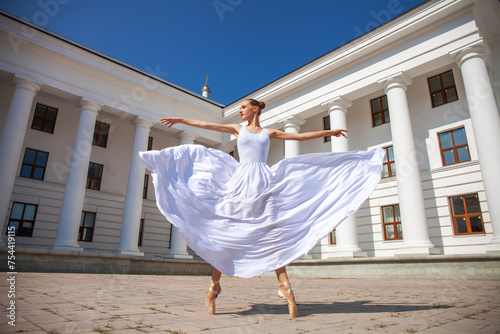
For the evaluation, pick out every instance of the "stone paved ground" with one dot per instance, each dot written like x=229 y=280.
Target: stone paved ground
x=91 y=303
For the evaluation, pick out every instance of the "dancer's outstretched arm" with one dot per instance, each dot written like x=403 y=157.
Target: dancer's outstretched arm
x=277 y=134
x=233 y=129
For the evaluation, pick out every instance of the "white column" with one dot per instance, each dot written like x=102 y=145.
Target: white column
x=486 y=124
x=346 y=233
x=411 y=199
x=227 y=147
x=187 y=138
x=12 y=139
x=178 y=247
x=292 y=125
x=135 y=186
x=74 y=192
x=292 y=147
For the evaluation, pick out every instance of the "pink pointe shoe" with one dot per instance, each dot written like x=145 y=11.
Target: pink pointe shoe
x=285 y=292
x=212 y=295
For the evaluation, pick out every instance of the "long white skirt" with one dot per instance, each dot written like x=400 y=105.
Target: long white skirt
x=247 y=219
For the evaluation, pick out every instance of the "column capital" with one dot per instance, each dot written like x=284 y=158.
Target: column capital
x=187 y=137
x=142 y=123
x=399 y=79
x=336 y=103
x=91 y=105
x=26 y=83
x=476 y=51
x=294 y=121
x=227 y=146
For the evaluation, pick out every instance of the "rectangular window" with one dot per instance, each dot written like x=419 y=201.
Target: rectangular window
x=389 y=166
x=44 y=118
x=380 y=110
x=87 y=222
x=145 y=191
x=454 y=146
x=466 y=214
x=326 y=126
x=94 y=176
x=170 y=236
x=34 y=164
x=101 y=131
x=442 y=88
x=333 y=238
x=141 y=230
x=150 y=143
x=392 y=222
x=22 y=217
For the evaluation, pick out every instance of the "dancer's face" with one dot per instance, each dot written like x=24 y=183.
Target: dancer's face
x=247 y=111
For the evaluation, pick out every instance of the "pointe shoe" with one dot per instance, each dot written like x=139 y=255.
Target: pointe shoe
x=212 y=295
x=285 y=292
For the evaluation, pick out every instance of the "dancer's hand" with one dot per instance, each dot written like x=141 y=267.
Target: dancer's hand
x=338 y=133
x=169 y=121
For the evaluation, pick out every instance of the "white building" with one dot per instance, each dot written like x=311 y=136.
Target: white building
x=74 y=119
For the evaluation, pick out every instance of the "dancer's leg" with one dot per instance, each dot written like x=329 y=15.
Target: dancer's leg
x=285 y=291
x=214 y=291
x=216 y=275
x=281 y=275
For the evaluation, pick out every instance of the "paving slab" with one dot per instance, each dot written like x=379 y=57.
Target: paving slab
x=59 y=303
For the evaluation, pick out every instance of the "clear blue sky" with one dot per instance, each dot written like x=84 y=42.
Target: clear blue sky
x=241 y=44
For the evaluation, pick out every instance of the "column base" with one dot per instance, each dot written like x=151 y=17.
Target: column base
x=61 y=248
x=130 y=252
x=306 y=257
x=493 y=248
x=178 y=256
x=416 y=251
x=347 y=254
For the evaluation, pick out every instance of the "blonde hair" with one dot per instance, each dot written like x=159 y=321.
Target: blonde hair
x=261 y=105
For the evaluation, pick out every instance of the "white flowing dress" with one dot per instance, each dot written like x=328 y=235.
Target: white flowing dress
x=247 y=218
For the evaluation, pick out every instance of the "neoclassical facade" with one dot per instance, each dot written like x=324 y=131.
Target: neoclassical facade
x=423 y=86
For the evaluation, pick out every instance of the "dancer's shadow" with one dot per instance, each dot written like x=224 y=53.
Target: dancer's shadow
x=362 y=306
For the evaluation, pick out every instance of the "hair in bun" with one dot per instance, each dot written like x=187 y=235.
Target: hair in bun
x=259 y=104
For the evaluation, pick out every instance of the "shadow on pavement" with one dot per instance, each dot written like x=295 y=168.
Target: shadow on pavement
x=364 y=306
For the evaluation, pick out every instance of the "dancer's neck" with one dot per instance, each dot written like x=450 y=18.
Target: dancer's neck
x=254 y=123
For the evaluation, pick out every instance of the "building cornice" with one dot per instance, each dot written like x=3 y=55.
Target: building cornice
x=363 y=47
x=67 y=47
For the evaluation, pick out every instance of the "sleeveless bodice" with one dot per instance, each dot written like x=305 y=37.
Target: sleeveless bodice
x=253 y=147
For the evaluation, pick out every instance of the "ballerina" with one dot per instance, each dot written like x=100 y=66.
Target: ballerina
x=246 y=218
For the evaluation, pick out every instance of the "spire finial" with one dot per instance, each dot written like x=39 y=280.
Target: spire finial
x=205 y=91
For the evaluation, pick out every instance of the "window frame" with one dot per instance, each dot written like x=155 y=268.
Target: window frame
x=141 y=232
x=443 y=89
x=44 y=119
x=82 y=228
x=466 y=215
x=98 y=134
x=395 y=223
x=432 y=143
x=34 y=165
x=332 y=237
x=150 y=143
x=454 y=147
x=145 y=190
x=389 y=162
x=22 y=220
x=381 y=112
x=327 y=126
x=170 y=236
x=90 y=177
